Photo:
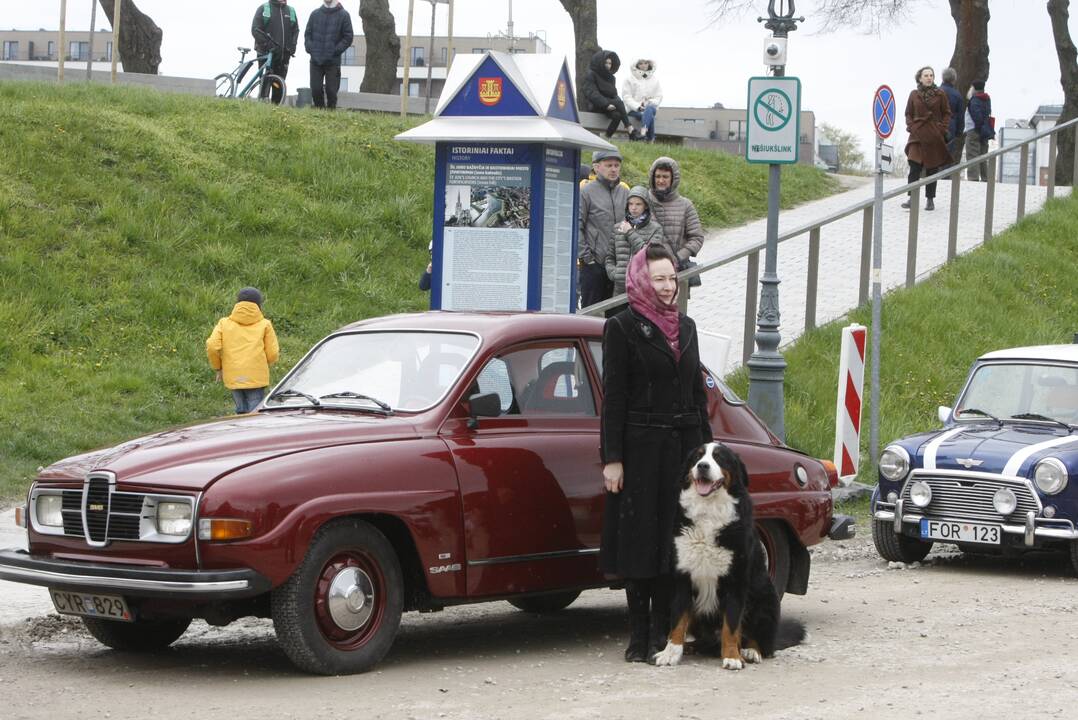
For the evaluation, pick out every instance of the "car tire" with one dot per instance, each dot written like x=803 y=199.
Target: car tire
x=776 y=544
x=897 y=548
x=340 y=610
x=138 y=636
x=542 y=604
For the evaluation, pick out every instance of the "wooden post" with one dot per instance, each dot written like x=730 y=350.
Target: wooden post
x=63 y=41
x=449 y=42
x=407 y=60
x=93 y=27
x=430 y=60
x=117 y=9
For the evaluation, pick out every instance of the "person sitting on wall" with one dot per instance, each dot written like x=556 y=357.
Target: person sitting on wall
x=642 y=94
x=601 y=91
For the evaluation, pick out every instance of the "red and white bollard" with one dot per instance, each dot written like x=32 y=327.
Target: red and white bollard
x=851 y=377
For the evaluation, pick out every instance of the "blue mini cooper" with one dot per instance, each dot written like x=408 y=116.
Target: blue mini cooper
x=1002 y=474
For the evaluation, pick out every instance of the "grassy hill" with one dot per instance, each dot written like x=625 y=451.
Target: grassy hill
x=128 y=220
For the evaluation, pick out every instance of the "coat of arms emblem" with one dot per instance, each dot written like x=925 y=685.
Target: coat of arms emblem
x=490 y=90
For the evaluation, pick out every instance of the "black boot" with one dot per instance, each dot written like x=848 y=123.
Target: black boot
x=659 y=620
x=637 y=596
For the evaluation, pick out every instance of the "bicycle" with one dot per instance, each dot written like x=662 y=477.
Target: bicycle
x=230 y=85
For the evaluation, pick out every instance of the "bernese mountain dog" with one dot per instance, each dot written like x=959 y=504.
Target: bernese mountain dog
x=722 y=591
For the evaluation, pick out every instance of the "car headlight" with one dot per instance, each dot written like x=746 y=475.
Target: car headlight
x=1050 y=475
x=48 y=509
x=173 y=518
x=894 y=463
x=920 y=494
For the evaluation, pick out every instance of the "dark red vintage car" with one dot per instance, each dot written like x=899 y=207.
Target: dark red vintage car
x=406 y=463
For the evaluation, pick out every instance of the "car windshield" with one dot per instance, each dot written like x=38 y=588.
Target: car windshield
x=401 y=370
x=1026 y=391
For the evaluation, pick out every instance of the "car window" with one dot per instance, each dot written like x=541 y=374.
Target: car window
x=547 y=379
x=1008 y=389
x=596 y=349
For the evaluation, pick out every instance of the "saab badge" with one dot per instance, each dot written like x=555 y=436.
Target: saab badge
x=96 y=507
x=490 y=91
x=563 y=95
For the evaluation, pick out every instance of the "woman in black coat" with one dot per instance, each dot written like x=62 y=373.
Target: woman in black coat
x=601 y=90
x=654 y=413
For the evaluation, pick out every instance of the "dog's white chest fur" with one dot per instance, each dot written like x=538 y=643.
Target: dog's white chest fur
x=698 y=553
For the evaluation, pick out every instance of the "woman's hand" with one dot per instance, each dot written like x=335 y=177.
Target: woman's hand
x=613 y=476
x=622 y=227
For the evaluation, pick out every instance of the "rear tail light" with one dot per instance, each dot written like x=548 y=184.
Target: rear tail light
x=832 y=473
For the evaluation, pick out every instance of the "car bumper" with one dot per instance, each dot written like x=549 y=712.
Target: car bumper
x=196 y=585
x=1031 y=532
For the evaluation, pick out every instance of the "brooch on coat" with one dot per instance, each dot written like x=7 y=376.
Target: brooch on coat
x=645 y=329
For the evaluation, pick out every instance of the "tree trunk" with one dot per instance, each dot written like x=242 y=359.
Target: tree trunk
x=970 y=58
x=140 y=38
x=1058 y=11
x=585 y=29
x=383 y=47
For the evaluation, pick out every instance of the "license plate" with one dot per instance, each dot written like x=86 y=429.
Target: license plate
x=111 y=607
x=953 y=531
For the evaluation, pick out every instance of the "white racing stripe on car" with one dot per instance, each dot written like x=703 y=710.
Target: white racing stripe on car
x=1015 y=463
x=932 y=447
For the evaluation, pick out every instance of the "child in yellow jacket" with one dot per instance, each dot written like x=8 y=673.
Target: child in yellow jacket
x=241 y=348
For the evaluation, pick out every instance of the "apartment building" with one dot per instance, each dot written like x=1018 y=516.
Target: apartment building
x=33 y=46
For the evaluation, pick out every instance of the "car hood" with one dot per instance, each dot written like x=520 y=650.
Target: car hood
x=192 y=457
x=985 y=447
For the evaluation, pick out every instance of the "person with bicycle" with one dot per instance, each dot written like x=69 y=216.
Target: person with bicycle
x=328 y=35
x=275 y=28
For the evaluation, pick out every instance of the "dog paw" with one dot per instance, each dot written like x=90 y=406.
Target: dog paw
x=669 y=656
x=732 y=664
x=750 y=655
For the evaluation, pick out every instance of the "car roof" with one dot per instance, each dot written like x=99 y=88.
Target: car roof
x=1055 y=353
x=493 y=327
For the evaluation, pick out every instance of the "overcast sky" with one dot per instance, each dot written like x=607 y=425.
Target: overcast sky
x=699 y=64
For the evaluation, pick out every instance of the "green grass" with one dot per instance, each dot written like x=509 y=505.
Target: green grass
x=1017 y=290
x=129 y=218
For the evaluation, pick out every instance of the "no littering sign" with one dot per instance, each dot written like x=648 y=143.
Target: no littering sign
x=774 y=122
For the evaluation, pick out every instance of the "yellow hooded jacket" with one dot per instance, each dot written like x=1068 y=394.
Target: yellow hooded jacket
x=243 y=346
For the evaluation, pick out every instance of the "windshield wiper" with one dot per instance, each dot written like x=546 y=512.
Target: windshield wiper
x=978 y=411
x=358 y=396
x=1038 y=416
x=294 y=393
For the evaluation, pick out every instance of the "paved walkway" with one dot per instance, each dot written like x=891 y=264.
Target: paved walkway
x=719 y=304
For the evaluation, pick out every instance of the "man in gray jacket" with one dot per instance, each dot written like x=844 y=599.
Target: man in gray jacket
x=602 y=206
x=681 y=223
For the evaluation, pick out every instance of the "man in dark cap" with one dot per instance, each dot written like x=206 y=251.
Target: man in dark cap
x=602 y=206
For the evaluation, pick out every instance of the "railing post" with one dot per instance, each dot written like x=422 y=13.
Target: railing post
x=866 y=255
x=911 y=243
x=1023 y=169
x=952 y=225
x=1074 y=177
x=752 y=279
x=812 y=279
x=990 y=200
x=683 y=296
x=1052 y=147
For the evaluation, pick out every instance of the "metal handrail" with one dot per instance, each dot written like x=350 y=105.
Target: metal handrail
x=865 y=206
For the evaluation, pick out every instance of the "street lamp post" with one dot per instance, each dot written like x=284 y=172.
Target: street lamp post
x=767 y=367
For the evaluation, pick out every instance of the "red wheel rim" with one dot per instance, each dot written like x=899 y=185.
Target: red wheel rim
x=365 y=605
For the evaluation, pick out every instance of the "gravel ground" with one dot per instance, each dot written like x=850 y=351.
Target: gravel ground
x=955 y=637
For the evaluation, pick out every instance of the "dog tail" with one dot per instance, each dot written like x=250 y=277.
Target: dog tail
x=789 y=633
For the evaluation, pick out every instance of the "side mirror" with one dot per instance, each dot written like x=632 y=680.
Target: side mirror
x=483 y=405
x=944 y=414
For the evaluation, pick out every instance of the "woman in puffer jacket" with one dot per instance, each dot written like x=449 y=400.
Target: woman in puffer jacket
x=643 y=94
x=601 y=90
x=638 y=230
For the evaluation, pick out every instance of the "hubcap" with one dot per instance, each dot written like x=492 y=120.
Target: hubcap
x=351 y=599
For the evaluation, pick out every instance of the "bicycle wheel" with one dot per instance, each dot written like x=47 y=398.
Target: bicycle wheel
x=224 y=86
x=275 y=87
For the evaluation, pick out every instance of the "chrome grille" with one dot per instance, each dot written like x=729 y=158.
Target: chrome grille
x=96 y=509
x=962 y=497
x=124 y=517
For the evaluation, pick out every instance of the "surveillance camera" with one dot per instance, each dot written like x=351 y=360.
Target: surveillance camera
x=775 y=51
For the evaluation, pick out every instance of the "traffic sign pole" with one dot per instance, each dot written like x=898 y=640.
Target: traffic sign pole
x=883 y=118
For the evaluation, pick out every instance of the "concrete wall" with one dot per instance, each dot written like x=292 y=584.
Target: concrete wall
x=40 y=73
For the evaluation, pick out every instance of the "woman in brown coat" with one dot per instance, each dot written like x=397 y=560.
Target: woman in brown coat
x=928 y=115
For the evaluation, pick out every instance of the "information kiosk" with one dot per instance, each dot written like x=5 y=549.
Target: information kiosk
x=507 y=148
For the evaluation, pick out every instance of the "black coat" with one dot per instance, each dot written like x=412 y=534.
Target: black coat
x=641 y=376
x=600 y=86
x=328 y=35
x=279 y=26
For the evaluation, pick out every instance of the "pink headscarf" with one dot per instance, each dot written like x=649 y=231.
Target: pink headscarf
x=645 y=301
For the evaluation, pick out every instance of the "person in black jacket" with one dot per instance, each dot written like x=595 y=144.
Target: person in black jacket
x=654 y=412
x=275 y=28
x=328 y=35
x=954 y=135
x=601 y=90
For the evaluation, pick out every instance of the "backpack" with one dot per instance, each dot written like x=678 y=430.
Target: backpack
x=267 y=13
